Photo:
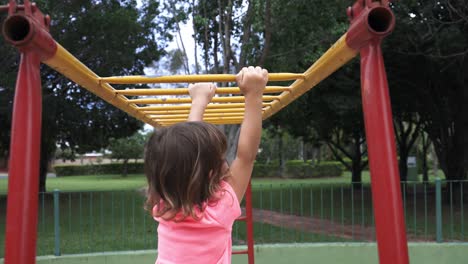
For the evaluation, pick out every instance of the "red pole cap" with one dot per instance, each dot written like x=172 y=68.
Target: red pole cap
x=369 y=20
x=27 y=28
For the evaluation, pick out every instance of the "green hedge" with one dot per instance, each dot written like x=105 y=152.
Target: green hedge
x=306 y=170
x=293 y=169
x=299 y=169
x=98 y=169
x=269 y=170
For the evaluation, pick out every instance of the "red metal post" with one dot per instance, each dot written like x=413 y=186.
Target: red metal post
x=385 y=178
x=23 y=179
x=27 y=29
x=370 y=23
x=249 y=223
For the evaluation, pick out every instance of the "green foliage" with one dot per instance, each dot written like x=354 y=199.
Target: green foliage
x=306 y=170
x=426 y=65
x=269 y=146
x=127 y=148
x=299 y=169
x=262 y=170
x=110 y=37
x=65 y=154
x=98 y=169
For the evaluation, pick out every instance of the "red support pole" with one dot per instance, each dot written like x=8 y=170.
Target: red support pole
x=23 y=179
x=26 y=28
x=249 y=223
x=370 y=22
x=385 y=178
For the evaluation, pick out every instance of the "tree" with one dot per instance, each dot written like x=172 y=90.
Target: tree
x=111 y=37
x=331 y=113
x=127 y=148
x=407 y=130
x=427 y=66
x=231 y=34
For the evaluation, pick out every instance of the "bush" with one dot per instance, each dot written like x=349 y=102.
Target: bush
x=112 y=168
x=306 y=170
x=261 y=170
x=299 y=169
x=268 y=170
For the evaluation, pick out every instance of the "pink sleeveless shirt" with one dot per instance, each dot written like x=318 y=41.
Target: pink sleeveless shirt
x=207 y=240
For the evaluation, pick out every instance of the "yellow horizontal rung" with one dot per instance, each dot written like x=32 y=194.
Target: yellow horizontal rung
x=214 y=122
x=183 y=91
x=186 y=111
x=193 y=78
x=185 y=116
x=204 y=119
x=232 y=99
x=184 y=107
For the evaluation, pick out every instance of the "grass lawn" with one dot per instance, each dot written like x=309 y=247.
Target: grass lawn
x=135 y=181
x=89 y=183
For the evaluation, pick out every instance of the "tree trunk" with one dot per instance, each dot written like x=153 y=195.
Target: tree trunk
x=356 y=177
x=47 y=152
x=195 y=32
x=402 y=165
x=232 y=135
x=215 y=54
x=44 y=162
x=247 y=23
x=356 y=160
x=425 y=167
x=281 y=167
x=266 y=46
x=301 y=150
x=185 y=59
x=125 y=168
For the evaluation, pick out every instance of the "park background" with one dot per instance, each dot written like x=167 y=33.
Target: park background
x=310 y=182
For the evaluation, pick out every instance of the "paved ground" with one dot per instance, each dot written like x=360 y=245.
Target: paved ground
x=320 y=226
x=4 y=175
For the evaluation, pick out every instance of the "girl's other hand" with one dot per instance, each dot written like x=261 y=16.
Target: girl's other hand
x=202 y=92
x=252 y=81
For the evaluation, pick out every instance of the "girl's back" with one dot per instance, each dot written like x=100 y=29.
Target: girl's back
x=206 y=240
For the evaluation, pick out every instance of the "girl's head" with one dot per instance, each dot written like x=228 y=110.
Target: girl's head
x=184 y=164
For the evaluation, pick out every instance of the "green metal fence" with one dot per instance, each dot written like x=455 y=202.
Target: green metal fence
x=85 y=222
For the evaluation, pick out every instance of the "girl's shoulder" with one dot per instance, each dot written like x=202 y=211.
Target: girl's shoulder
x=222 y=208
x=226 y=204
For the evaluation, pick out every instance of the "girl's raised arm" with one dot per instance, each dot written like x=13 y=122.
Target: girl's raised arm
x=201 y=94
x=252 y=82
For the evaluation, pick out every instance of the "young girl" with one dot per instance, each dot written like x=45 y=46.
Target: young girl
x=192 y=192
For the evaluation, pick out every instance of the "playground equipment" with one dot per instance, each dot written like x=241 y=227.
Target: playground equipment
x=27 y=29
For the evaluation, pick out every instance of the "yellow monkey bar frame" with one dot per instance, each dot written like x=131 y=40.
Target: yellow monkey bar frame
x=163 y=107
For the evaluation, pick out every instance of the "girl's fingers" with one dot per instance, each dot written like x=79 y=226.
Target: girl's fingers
x=240 y=75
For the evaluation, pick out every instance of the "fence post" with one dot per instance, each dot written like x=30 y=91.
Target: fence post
x=438 y=187
x=57 y=222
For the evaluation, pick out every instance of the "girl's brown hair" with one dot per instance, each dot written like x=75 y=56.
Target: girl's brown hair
x=184 y=167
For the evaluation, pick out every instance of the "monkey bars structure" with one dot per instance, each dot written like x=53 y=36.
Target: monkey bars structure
x=27 y=29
